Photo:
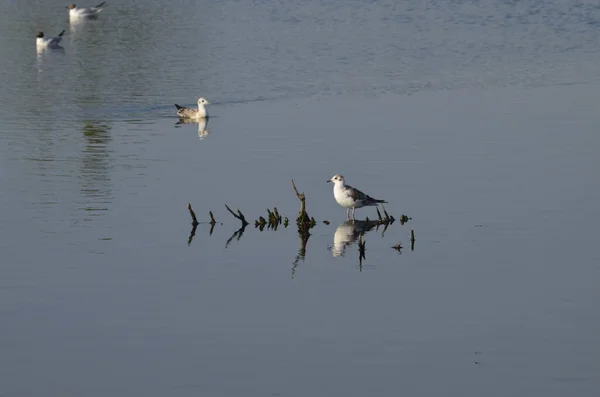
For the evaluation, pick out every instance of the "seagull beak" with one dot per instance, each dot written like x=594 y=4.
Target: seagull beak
x=329 y=180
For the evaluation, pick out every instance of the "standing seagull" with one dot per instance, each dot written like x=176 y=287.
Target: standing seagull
x=187 y=113
x=349 y=197
x=48 y=42
x=84 y=13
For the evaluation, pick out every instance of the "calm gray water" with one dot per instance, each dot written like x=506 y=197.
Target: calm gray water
x=478 y=119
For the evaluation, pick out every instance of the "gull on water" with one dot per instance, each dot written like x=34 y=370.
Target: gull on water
x=349 y=197
x=84 y=13
x=48 y=42
x=187 y=113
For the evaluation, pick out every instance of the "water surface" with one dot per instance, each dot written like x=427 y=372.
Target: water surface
x=476 y=119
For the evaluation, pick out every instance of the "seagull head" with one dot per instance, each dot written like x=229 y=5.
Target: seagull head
x=40 y=35
x=337 y=179
x=71 y=6
x=203 y=101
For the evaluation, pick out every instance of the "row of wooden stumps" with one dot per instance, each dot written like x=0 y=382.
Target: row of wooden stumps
x=273 y=220
x=303 y=222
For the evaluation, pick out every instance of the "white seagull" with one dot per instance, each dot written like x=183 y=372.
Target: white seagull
x=84 y=13
x=349 y=197
x=48 y=42
x=187 y=113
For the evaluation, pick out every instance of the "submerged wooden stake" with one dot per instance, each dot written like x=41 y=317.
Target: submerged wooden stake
x=239 y=215
x=195 y=223
x=277 y=215
x=397 y=247
x=302 y=216
x=192 y=214
x=388 y=218
x=303 y=221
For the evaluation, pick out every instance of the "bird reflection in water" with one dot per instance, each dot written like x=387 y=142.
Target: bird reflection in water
x=202 y=124
x=43 y=53
x=348 y=232
x=95 y=168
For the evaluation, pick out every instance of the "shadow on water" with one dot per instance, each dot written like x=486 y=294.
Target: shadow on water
x=202 y=126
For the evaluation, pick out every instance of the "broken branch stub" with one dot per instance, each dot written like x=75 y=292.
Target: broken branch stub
x=303 y=220
x=192 y=214
x=238 y=215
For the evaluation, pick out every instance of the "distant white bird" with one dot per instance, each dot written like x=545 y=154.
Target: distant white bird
x=187 y=113
x=84 y=13
x=48 y=42
x=349 y=197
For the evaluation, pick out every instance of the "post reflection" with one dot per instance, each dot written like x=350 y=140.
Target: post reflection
x=237 y=235
x=304 y=236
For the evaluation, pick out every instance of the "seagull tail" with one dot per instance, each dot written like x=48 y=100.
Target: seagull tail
x=179 y=107
x=380 y=201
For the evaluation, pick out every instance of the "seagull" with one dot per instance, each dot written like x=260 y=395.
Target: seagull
x=48 y=42
x=81 y=12
x=187 y=113
x=349 y=197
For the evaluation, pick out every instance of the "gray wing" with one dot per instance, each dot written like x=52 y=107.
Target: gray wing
x=357 y=195
x=182 y=111
x=90 y=11
x=56 y=40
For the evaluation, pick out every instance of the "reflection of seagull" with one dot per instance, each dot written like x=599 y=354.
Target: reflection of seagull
x=202 y=123
x=76 y=13
x=187 y=113
x=349 y=197
x=48 y=42
x=347 y=233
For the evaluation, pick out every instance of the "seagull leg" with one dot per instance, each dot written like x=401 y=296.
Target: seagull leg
x=347 y=213
x=353 y=213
